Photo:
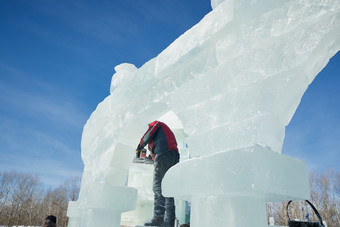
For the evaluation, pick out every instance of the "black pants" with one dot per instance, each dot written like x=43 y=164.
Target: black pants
x=163 y=206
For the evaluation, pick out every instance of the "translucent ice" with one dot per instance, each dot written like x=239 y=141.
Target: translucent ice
x=234 y=81
x=215 y=3
x=231 y=188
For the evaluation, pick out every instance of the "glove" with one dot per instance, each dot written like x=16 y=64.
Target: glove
x=138 y=151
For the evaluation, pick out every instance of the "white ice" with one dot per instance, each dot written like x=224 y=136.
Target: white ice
x=234 y=81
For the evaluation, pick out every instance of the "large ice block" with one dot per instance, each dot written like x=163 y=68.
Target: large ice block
x=74 y=214
x=250 y=171
x=231 y=188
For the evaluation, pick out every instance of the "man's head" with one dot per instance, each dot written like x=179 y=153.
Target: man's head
x=50 y=221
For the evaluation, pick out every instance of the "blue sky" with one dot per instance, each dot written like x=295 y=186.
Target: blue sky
x=56 y=63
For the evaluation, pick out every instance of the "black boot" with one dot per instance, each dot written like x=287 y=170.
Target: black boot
x=155 y=221
x=169 y=223
x=185 y=225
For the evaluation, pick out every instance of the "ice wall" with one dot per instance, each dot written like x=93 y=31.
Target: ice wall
x=234 y=80
x=215 y=3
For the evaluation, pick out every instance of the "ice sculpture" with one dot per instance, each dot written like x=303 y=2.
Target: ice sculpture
x=234 y=80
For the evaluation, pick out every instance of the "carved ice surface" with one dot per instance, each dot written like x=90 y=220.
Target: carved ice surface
x=234 y=81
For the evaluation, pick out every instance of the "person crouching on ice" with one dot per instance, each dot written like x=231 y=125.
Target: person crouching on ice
x=163 y=147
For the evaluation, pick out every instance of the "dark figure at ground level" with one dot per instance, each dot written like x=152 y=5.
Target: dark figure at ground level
x=163 y=147
x=50 y=221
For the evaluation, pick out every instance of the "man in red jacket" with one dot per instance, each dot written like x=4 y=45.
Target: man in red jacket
x=163 y=147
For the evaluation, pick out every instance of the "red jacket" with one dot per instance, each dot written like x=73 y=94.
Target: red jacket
x=160 y=138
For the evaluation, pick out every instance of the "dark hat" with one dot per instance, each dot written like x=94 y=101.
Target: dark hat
x=52 y=218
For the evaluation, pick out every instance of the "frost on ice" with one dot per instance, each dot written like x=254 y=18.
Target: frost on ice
x=233 y=81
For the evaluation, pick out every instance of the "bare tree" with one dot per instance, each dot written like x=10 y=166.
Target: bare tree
x=23 y=201
x=6 y=182
x=337 y=195
x=324 y=195
x=56 y=201
x=72 y=188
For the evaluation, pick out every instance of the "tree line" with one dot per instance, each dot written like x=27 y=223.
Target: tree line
x=24 y=201
x=324 y=195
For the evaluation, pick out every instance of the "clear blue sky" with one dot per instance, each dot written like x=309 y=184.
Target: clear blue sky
x=56 y=64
